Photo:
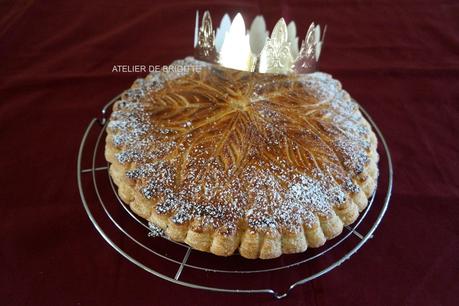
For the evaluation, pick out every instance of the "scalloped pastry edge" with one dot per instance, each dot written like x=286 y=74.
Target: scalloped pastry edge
x=251 y=244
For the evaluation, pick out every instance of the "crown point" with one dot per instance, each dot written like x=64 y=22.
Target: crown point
x=236 y=37
x=258 y=35
x=224 y=27
x=280 y=31
x=291 y=29
x=196 y=29
x=205 y=47
x=238 y=24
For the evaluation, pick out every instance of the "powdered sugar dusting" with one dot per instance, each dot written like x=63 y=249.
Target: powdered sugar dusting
x=226 y=147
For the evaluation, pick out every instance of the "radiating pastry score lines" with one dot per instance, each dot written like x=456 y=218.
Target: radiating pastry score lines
x=227 y=160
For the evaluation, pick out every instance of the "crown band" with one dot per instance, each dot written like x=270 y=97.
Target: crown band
x=233 y=47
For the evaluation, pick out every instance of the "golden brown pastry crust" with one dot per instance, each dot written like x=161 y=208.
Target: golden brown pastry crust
x=304 y=159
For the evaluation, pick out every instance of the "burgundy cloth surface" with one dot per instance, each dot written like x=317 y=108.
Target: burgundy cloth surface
x=400 y=59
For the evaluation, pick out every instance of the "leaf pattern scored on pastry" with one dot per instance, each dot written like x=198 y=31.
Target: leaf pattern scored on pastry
x=220 y=146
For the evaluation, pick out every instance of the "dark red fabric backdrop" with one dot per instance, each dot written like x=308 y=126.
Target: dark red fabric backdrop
x=400 y=59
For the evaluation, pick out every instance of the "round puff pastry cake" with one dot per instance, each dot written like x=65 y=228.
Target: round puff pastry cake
x=230 y=161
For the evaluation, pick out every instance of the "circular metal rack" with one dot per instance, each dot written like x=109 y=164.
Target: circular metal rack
x=176 y=262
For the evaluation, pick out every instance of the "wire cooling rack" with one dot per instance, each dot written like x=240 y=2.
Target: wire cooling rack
x=176 y=262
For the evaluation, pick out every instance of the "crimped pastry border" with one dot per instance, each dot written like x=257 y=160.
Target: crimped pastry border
x=250 y=244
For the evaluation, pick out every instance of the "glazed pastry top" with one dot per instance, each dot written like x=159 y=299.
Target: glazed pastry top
x=227 y=147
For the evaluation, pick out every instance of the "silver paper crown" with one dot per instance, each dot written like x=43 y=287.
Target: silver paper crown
x=234 y=47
